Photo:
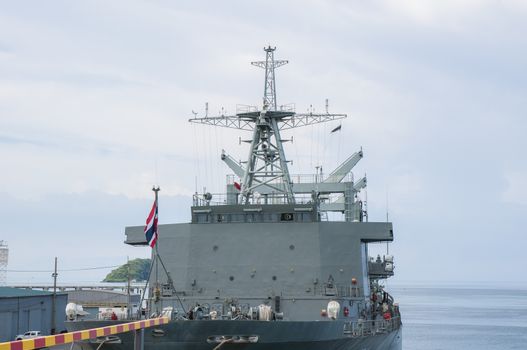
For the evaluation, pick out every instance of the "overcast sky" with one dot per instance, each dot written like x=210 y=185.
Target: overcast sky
x=95 y=98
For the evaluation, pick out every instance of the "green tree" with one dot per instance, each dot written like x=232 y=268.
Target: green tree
x=138 y=271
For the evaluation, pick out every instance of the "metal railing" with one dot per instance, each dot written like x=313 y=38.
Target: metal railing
x=363 y=328
x=338 y=290
x=217 y=199
x=298 y=178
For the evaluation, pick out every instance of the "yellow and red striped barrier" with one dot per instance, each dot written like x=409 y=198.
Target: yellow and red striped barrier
x=65 y=338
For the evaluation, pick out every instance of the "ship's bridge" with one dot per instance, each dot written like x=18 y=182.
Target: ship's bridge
x=255 y=213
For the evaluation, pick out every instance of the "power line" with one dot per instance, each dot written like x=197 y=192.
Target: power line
x=66 y=270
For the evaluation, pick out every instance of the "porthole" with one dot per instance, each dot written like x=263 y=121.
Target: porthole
x=274 y=278
x=291 y=247
x=215 y=248
x=231 y=278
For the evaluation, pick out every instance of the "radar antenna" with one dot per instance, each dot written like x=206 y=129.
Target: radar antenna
x=266 y=164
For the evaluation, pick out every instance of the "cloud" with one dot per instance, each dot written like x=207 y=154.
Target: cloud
x=516 y=190
x=37 y=170
x=95 y=97
x=83 y=230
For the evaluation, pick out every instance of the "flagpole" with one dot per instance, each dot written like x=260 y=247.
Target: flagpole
x=156 y=255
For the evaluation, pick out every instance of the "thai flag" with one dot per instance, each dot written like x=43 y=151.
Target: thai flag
x=151 y=226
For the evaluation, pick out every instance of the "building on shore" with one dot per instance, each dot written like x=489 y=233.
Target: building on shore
x=23 y=310
x=96 y=302
x=97 y=299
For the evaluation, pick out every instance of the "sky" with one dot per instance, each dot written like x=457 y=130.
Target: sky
x=95 y=98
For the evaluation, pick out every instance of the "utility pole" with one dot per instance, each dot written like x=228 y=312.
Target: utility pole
x=54 y=301
x=128 y=311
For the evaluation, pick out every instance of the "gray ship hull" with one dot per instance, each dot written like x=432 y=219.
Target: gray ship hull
x=284 y=335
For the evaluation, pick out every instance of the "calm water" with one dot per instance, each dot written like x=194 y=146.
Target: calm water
x=462 y=317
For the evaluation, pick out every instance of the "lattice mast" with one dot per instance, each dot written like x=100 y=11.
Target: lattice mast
x=4 y=255
x=269 y=98
x=266 y=162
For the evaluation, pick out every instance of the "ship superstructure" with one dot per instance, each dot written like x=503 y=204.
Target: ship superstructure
x=263 y=264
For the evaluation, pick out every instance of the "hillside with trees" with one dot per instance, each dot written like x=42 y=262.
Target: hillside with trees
x=138 y=271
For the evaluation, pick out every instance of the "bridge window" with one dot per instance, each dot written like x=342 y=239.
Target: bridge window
x=287 y=217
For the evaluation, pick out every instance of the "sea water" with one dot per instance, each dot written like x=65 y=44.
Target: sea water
x=462 y=317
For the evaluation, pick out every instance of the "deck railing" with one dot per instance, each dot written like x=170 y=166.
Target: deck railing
x=363 y=328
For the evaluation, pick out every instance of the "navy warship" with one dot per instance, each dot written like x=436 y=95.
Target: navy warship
x=279 y=261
